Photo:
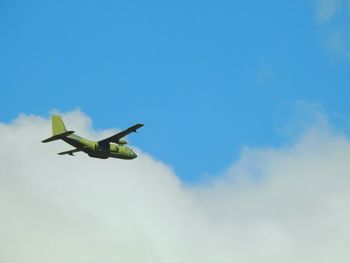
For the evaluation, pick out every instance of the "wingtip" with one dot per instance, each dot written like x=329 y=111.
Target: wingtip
x=138 y=126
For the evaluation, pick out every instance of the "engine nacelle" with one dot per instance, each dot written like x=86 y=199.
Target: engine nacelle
x=122 y=142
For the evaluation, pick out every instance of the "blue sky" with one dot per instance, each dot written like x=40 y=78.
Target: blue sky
x=206 y=77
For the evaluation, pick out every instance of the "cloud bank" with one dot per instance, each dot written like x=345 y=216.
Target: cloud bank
x=287 y=204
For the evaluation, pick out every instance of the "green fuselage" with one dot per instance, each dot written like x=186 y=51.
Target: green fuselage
x=94 y=149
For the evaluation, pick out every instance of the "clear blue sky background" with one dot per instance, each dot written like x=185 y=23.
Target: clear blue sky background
x=206 y=77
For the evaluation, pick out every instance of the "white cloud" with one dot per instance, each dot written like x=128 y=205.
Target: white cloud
x=273 y=205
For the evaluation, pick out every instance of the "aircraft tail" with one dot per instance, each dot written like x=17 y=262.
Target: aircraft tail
x=59 y=131
x=57 y=125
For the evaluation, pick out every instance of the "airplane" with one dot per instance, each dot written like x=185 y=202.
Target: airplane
x=113 y=146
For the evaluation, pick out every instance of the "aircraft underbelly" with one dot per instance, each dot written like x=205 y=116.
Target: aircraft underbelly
x=97 y=156
x=119 y=156
x=100 y=153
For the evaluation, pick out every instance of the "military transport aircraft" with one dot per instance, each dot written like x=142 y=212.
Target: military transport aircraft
x=114 y=146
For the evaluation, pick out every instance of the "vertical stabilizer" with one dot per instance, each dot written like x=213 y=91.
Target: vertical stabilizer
x=57 y=125
x=58 y=129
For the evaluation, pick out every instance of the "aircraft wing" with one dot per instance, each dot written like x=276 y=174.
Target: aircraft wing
x=70 y=152
x=115 y=138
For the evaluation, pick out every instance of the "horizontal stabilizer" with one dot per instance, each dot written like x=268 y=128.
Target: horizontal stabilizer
x=70 y=152
x=58 y=136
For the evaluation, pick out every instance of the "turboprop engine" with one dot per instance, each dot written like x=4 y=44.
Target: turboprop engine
x=122 y=142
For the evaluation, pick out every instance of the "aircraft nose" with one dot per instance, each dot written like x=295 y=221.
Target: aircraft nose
x=133 y=155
